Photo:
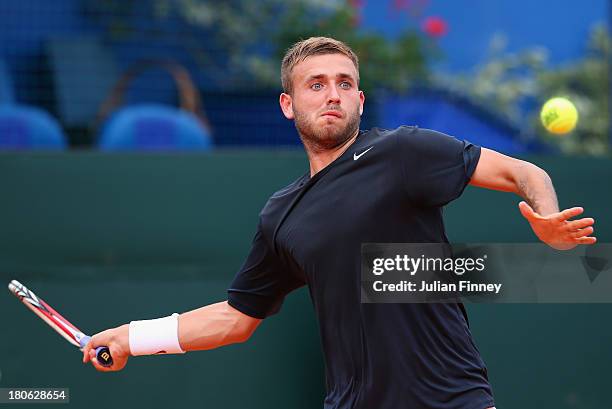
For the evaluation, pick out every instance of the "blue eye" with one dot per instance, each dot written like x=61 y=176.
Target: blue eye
x=317 y=86
x=345 y=85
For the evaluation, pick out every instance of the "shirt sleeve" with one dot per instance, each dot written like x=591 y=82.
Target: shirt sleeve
x=436 y=167
x=261 y=284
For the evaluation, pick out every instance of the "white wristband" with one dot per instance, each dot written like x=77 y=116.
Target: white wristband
x=158 y=336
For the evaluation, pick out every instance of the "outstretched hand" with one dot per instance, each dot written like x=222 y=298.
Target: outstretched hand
x=557 y=230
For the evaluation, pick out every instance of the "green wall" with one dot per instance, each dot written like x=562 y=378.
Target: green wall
x=110 y=238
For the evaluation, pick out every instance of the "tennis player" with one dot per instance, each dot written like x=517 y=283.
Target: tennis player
x=362 y=186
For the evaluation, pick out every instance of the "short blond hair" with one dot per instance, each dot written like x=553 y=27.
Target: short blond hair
x=301 y=50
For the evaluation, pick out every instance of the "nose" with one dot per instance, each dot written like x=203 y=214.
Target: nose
x=333 y=97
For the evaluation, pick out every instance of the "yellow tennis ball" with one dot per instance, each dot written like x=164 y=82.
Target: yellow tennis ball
x=559 y=116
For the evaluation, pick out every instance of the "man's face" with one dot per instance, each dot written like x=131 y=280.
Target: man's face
x=325 y=103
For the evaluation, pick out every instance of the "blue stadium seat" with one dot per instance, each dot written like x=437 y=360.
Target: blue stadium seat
x=24 y=127
x=153 y=127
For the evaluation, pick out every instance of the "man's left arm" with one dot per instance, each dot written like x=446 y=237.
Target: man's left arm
x=540 y=208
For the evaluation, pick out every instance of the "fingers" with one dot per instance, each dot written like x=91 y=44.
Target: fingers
x=580 y=224
x=569 y=240
x=89 y=348
x=89 y=353
x=568 y=213
x=582 y=232
x=91 y=357
x=96 y=364
x=86 y=353
x=117 y=340
x=587 y=240
x=527 y=211
x=583 y=236
x=557 y=230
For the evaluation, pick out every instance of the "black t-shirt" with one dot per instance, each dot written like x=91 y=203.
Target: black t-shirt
x=388 y=186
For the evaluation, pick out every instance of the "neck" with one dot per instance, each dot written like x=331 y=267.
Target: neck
x=321 y=158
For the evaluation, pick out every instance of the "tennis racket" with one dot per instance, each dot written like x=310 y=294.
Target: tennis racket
x=60 y=324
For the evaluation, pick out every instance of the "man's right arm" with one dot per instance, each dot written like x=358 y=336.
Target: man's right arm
x=204 y=328
x=213 y=326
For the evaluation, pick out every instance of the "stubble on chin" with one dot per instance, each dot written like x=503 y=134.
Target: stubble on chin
x=329 y=136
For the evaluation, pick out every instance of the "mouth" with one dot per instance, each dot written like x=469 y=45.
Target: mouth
x=333 y=113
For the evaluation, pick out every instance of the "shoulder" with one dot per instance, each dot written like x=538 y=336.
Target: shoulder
x=416 y=135
x=407 y=135
x=425 y=142
x=385 y=140
x=383 y=134
x=410 y=139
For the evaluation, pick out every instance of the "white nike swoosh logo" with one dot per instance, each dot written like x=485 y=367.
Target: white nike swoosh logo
x=355 y=156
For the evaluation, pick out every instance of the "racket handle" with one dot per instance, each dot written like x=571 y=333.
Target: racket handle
x=102 y=353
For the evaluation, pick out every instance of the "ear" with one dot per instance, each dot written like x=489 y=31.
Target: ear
x=361 y=101
x=286 y=104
